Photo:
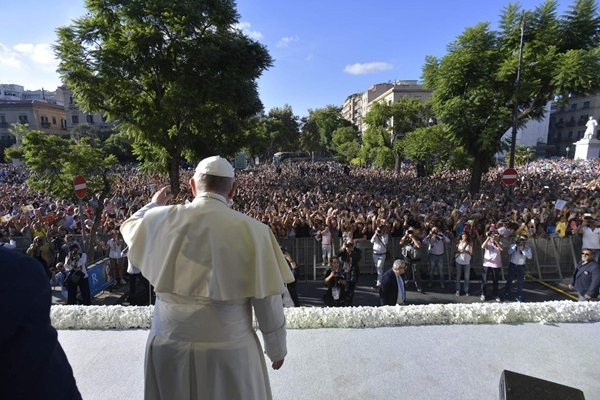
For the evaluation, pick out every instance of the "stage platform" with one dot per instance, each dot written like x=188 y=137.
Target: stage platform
x=408 y=362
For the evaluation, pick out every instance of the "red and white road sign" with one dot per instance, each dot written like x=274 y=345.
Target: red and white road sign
x=80 y=186
x=509 y=176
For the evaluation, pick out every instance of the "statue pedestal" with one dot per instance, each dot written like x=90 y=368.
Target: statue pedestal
x=587 y=149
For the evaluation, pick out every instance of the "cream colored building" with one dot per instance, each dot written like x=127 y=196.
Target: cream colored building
x=40 y=115
x=358 y=105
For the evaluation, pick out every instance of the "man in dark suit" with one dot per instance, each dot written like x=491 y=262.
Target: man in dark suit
x=33 y=364
x=391 y=291
x=586 y=277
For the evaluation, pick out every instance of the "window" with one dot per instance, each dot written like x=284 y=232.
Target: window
x=573 y=106
x=570 y=135
x=89 y=119
x=23 y=119
x=561 y=109
x=75 y=119
x=586 y=104
x=63 y=123
x=44 y=122
x=53 y=120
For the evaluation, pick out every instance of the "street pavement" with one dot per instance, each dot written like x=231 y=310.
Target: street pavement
x=311 y=293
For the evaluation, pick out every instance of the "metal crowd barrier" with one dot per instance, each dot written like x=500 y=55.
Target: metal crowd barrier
x=553 y=259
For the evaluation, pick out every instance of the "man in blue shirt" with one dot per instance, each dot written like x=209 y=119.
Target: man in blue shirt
x=519 y=254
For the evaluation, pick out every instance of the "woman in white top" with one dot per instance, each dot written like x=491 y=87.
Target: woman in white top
x=492 y=263
x=462 y=260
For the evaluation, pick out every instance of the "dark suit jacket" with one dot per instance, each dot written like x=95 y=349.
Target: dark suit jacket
x=388 y=291
x=33 y=365
x=586 y=278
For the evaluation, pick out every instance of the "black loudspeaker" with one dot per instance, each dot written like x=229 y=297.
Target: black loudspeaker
x=515 y=386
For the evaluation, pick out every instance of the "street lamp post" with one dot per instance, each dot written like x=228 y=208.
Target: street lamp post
x=568 y=149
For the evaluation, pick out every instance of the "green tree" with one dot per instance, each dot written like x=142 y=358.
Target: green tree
x=309 y=137
x=284 y=129
x=327 y=120
x=474 y=84
x=174 y=75
x=433 y=148
x=120 y=146
x=523 y=155
x=346 y=143
x=54 y=162
x=94 y=132
x=257 y=139
x=386 y=124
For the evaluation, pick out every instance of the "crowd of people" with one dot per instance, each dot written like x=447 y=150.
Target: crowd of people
x=330 y=202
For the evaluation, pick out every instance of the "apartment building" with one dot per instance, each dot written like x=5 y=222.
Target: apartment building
x=40 y=115
x=357 y=105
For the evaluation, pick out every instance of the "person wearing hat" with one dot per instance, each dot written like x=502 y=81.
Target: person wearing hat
x=209 y=265
x=519 y=253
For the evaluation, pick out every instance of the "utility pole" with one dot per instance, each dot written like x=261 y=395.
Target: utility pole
x=513 y=141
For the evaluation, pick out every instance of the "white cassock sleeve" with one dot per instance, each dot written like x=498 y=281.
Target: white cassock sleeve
x=271 y=322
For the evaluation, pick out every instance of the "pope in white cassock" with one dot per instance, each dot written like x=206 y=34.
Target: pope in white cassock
x=209 y=266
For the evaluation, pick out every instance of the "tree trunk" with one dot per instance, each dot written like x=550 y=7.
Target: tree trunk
x=397 y=164
x=174 y=171
x=476 y=174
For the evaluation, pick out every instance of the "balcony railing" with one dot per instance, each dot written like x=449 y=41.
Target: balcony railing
x=45 y=124
x=4 y=125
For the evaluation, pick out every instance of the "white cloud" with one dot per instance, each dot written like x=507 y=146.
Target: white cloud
x=367 y=68
x=245 y=28
x=38 y=53
x=285 y=41
x=9 y=58
x=30 y=65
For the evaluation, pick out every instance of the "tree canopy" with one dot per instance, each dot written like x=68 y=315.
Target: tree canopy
x=387 y=125
x=474 y=84
x=54 y=162
x=174 y=75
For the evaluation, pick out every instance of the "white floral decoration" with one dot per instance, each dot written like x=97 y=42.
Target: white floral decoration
x=120 y=317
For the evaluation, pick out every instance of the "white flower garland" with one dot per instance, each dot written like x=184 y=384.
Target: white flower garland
x=120 y=317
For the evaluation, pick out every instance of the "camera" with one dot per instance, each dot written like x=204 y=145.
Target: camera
x=519 y=241
x=440 y=236
x=339 y=276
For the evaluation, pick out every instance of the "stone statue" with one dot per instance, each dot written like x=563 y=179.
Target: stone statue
x=590 y=131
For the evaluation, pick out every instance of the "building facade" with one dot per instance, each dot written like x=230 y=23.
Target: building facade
x=568 y=123
x=40 y=115
x=76 y=116
x=357 y=105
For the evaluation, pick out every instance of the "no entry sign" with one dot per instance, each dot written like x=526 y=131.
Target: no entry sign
x=80 y=186
x=509 y=176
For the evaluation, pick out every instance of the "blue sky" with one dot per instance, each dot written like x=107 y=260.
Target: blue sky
x=324 y=50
